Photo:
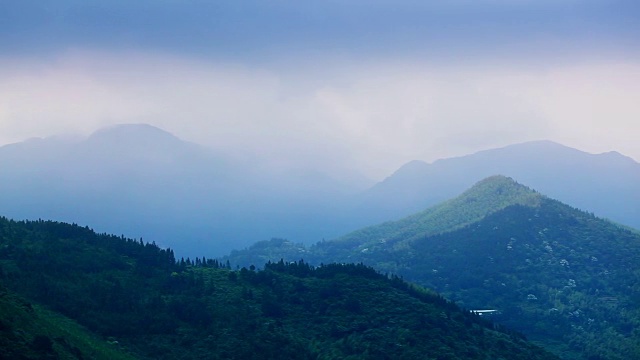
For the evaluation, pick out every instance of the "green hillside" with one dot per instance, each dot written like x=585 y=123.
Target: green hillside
x=486 y=197
x=29 y=331
x=555 y=273
x=134 y=297
x=565 y=278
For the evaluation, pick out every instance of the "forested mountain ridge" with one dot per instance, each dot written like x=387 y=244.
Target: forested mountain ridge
x=564 y=277
x=145 y=304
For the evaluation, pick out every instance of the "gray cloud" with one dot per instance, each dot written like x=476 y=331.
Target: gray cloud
x=342 y=86
x=350 y=116
x=256 y=31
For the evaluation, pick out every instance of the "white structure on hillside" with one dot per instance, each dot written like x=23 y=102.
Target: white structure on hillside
x=485 y=312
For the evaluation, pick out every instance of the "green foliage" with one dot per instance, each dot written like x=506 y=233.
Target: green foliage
x=566 y=275
x=568 y=280
x=136 y=296
x=28 y=331
x=486 y=197
x=271 y=250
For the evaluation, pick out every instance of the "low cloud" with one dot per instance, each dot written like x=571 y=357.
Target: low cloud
x=369 y=117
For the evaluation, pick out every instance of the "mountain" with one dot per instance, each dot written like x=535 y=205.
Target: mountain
x=133 y=179
x=134 y=300
x=607 y=184
x=565 y=278
x=487 y=196
x=142 y=181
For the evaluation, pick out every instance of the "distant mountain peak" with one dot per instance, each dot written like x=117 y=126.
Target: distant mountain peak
x=132 y=132
x=135 y=138
x=532 y=147
x=412 y=168
x=542 y=142
x=413 y=164
x=618 y=158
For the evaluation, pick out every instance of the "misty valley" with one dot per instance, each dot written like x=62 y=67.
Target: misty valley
x=134 y=244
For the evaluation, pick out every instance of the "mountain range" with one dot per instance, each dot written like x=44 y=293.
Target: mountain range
x=564 y=277
x=607 y=184
x=141 y=181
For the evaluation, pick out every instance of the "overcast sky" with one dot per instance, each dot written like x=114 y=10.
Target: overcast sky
x=362 y=85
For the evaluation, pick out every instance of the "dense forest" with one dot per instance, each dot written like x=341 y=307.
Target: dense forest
x=67 y=292
x=30 y=331
x=564 y=277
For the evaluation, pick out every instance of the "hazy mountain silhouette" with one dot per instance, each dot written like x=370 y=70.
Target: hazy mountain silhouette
x=141 y=181
x=134 y=179
x=607 y=184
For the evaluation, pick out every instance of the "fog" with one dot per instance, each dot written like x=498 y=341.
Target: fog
x=298 y=108
x=357 y=121
x=353 y=90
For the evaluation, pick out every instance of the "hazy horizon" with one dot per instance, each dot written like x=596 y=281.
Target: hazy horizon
x=362 y=86
x=364 y=183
